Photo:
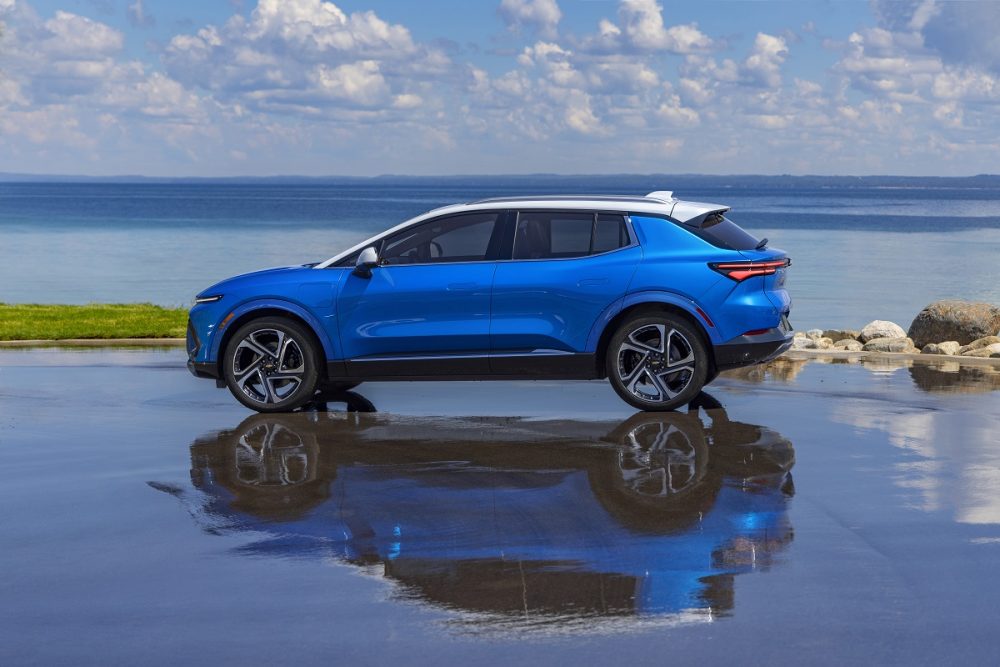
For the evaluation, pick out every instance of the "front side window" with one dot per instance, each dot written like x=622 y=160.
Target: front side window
x=459 y=238
x=562 y=235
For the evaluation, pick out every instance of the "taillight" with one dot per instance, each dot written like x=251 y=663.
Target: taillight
x=739 y=271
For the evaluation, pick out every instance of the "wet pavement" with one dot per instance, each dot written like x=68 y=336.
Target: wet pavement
x=803 y=512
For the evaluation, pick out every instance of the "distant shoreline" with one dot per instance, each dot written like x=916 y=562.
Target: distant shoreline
x=735 y=181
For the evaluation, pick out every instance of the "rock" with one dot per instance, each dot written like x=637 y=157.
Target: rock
x=815 y=334
x=848 y=345
x=889 y=344
x=803 y=343
x=837 y=335
x=964 y=321
x=947 y=347
x=811 y=344
x=979 y=343
x=881 y=329
x=987 y=352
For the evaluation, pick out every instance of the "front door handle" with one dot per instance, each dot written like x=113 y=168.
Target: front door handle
x=462 y=287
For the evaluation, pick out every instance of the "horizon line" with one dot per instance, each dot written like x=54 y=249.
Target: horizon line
x=13 y=177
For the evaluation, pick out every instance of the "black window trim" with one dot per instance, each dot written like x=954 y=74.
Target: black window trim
x=515 y=214
x=493 y=251
x=696 y=231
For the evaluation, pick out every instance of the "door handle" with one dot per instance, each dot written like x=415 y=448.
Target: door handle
x=591 y=282
x=461 y=287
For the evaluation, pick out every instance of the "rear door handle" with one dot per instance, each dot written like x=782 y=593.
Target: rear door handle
x=461 y=287
x=590 y=282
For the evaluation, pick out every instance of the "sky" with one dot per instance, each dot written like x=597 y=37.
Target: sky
x=364 y=87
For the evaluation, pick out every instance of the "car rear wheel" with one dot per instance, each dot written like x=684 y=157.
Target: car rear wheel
x=657 y=362
x=271 y=365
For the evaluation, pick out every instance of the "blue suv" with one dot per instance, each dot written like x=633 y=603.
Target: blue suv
x=656 y=294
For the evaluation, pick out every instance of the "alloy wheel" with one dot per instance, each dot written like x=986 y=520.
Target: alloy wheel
x=268 y=366
x=655 y=362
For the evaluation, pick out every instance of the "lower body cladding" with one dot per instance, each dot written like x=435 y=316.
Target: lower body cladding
x=540 y=364
x=747 y=350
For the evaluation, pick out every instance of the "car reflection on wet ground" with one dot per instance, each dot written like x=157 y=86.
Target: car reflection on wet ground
x=149 y=519
x=540 y=522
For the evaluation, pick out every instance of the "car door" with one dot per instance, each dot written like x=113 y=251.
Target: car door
x=566 y=269
x=425 y=308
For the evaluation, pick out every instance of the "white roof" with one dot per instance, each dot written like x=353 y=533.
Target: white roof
x=661 y=202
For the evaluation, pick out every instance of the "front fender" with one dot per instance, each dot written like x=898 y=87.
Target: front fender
x=273 y=303
x=650 y=296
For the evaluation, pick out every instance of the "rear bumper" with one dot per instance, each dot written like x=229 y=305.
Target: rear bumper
x=750 y=350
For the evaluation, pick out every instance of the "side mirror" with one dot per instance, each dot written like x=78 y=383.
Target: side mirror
x=367 y=260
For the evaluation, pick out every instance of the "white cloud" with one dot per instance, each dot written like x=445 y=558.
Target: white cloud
x=642 y=24
x=138 y=16
x=307 y=57
x=295 y=85
x=763 y=65
x=543 y=15
x=360 y=83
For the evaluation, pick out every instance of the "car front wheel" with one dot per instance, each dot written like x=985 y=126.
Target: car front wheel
x=270 y=365
x=657 y=362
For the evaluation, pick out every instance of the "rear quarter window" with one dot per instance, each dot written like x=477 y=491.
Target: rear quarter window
x=720 y=231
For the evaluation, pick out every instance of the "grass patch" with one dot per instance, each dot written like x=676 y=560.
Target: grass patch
x=33 y=321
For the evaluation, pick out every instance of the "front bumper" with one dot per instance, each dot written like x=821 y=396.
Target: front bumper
x=203 y=369
x=750 y=350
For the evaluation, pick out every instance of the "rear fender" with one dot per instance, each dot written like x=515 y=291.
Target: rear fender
x=653 y=297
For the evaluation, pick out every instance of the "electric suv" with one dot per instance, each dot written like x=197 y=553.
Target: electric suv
x=656 y=294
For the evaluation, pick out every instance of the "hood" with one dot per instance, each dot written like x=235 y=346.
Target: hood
x=236 y=281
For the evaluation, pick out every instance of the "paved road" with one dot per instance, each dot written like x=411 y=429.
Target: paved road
x=809 y=513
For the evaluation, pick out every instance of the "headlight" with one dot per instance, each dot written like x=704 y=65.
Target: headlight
x=211 y=298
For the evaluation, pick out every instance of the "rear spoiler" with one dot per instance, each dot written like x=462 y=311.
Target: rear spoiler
x=694 y=213
x=689 y=212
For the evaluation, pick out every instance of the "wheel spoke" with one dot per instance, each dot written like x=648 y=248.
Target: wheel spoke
x=273 y=390
x=690 y=351
x=641 y=370
x=269 y=396
x=251 y=343
x=283 y=354
x=645 y=347
x=243 y=374
x=663 y=391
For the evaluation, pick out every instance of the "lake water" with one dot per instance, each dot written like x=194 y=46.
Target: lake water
x=871 y=249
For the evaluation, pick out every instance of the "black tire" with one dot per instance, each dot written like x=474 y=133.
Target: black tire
x=657 y=361
x=271 y=365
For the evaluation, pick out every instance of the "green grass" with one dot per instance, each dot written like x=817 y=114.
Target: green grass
x=117 y=320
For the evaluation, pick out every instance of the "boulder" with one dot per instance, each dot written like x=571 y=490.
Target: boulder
x=947 y=347
x=979 y=343
x=804 y=343
x=881 y=329
x=848 y=345
x=841 y=334
x=964 y=321
x=988 y=351
x=815 y=334
x=887 y=344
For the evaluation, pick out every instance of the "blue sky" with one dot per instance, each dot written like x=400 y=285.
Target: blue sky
x=356 y=87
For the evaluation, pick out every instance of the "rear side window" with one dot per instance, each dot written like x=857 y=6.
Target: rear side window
x=722 y=232
x=563 y=235
x=610 y=233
